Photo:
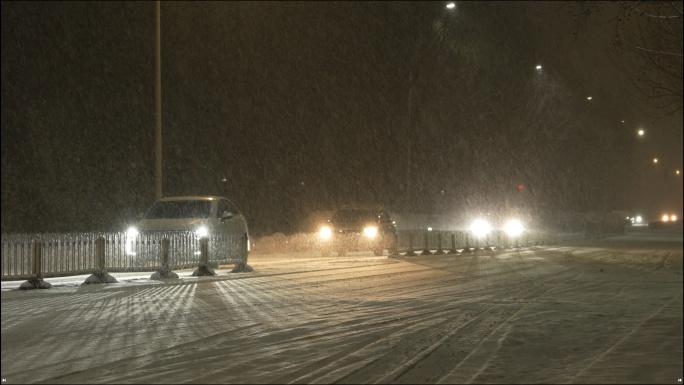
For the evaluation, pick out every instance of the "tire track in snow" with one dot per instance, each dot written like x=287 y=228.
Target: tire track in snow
x=622 y=339
x=422 y=344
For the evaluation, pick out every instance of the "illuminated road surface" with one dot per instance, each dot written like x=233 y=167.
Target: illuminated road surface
x=607 y=311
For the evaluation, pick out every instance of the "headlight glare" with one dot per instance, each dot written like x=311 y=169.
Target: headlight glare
x=325 y=232
x=514 y=228
x=480 y=228
x=132 y=232
x=201 y=232
x=370 y=231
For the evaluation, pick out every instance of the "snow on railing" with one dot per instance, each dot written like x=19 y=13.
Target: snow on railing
x=46 y=255
x=38 y=256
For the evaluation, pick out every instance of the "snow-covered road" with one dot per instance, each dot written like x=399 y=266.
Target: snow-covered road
x=599 y=312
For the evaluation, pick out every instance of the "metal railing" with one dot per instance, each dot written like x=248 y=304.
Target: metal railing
x=415 y=240
x=65 y=254
x=38 y=256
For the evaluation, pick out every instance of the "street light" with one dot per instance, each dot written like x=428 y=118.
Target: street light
x=641 y=132
x=655 y=160
x=414 y=68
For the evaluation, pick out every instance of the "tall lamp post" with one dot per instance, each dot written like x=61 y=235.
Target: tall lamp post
x=409 y=150
x=412 y=81
x=158 y=151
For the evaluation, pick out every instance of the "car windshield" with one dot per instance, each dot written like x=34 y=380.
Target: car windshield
x=353 y=216
x=179 y=209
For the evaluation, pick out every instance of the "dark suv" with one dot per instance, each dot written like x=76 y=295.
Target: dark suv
x=359 y=229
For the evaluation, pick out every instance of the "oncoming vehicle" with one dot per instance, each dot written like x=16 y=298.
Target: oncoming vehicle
x=189 y=219
x=359 y=229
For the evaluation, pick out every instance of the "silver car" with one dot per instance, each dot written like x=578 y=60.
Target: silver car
x=187 y=220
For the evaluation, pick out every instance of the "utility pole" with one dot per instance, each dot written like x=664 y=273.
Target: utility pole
x=158 y=152
x=409 y=133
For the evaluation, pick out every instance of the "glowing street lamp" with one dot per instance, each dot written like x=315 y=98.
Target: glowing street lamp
x=451 y=6
x=655 y=160
x=641 y=132
x=539 y=67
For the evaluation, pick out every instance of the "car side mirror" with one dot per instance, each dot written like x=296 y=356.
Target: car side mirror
x=227 y=215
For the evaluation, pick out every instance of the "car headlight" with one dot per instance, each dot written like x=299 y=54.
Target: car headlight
x=513 y=228
x=325 y=232
x=132 y=232
x=370 y=231
x=201 y=232
x=480 y=228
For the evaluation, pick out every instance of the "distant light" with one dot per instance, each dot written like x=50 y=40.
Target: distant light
x=429 y=228
x=589 y=98
x=673 y=218
x=623 y=120
x=677 y=172
x=451 y=6
x=655 y=160
x=666 y=218
x=539 y=67
x=641 y=132
x=638 y=219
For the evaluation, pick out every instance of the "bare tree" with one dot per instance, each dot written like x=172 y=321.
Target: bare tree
x=646 y=45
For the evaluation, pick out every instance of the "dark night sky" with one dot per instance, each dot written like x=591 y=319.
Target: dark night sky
x=305 y=106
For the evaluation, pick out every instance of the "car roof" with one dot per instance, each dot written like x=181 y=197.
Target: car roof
x=370 y=207
x=192 y=198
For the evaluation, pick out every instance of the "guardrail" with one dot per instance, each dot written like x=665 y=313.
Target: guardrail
x=34 y=257
x=414 y=241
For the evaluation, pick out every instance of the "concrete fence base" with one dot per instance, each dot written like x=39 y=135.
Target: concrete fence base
x=35 y=284
x=100 y=276
x=162 y=274
x=242 y=268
